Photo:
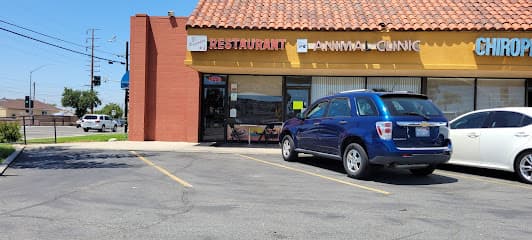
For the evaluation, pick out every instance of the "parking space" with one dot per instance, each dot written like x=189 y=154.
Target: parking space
x=125 y=194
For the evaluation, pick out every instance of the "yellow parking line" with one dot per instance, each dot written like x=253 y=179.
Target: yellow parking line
x=317 y=175
x=485 y=180
x=164 y=171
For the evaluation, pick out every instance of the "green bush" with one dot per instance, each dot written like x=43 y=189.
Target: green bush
x=9 y=132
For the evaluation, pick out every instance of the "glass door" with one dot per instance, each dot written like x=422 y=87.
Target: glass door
x=213 y=114
x=213 y=105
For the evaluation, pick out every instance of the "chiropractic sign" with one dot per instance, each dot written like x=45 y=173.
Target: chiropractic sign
x=514 y=47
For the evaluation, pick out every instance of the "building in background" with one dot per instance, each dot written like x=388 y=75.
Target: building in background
x=233 y=70
x=15 y=108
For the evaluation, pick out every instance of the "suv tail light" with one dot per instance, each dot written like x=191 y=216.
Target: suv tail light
x=97 y=121
x=384 y=129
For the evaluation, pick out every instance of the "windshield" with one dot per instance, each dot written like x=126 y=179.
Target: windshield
x=403 y=106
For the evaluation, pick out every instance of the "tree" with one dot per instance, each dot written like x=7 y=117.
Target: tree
x=80 y=100
x=108 y=110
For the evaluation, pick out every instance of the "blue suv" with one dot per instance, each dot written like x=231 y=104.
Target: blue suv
x=364 y=129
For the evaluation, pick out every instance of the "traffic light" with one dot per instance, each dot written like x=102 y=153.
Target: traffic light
x=97 y=81
x=27 y=102
x=31 y=104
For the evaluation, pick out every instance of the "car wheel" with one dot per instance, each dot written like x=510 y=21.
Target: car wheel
x=356 y=162
x=523 y=166
x=102 y=129
x=114 y=128
x=85 y=129
x=287 y=148
x=423 y=171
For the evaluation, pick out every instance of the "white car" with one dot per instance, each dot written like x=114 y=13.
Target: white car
x=99 y=122
x=497 y=138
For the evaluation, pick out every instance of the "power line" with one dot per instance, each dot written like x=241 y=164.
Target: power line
x=59 y=39
x=57 y=46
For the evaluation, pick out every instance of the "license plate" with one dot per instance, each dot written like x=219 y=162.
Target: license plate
x=422 y=132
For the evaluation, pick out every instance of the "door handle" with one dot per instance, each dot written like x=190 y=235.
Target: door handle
x=521 y=134
x=342 y=122
x=473 y=135
x=316 y=123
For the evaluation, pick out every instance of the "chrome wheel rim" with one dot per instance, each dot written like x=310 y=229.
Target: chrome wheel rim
x=354 y=160
x=286 y=148
x=525 y=167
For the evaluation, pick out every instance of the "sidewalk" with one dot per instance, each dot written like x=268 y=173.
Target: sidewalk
x=168 y=147
x=11 y=158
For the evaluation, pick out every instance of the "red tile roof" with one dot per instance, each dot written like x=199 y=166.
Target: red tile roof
x=364 y=15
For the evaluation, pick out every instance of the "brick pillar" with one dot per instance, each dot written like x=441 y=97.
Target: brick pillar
x=138 y=77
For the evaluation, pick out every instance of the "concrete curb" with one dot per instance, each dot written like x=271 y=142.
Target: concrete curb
x=11 y=158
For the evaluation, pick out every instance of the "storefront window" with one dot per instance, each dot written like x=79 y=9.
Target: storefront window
x=409 y=84
x=454 y=96
x=493 y=93
x=326 y=86
x=255 y=99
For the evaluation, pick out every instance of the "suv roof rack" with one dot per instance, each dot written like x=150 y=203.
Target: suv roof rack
x=356 y=90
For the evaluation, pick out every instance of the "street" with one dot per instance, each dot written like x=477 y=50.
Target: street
x=35 y=132
x=61 y=193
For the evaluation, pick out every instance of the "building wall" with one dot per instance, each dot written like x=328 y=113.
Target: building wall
x=164 y=93
x=449 y=54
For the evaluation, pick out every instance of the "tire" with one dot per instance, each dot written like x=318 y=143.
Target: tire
x=114 y=128
x=423 y=171
x=356 y=162
x=523 y=167
x=102 y=129
x=85 y=129
x=288 y=149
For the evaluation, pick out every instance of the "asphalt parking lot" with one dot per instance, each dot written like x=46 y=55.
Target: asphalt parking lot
x=60 y=193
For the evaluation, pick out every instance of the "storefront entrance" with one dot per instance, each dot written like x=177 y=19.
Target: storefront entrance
x=213 y=105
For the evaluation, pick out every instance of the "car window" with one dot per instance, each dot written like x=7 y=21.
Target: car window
x=107 y=118
x=339 y=107
x=318 y=110
x=526 y=121
x=402 y=106
x=474 y=120
x=503 y=119
x=366 y=107
x=90 y=117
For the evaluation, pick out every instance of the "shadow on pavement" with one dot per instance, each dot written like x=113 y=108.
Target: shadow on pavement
x=64 y=158
x=380 y=174
x=480 y=172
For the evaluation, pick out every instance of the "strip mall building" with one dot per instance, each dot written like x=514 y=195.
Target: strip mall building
x=235 y=68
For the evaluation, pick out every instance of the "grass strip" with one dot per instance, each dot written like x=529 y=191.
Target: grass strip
x=5 y=151
x=86 y=138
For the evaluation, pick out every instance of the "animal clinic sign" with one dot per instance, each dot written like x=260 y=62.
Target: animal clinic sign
x=197 y=43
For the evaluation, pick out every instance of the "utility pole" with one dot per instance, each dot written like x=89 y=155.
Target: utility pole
x=126 y=93
x=92 y=67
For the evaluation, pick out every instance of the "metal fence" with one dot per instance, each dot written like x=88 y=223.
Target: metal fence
x=37 y=127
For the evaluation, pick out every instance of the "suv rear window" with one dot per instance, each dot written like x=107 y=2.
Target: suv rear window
x=91 y=117
x=404 y=105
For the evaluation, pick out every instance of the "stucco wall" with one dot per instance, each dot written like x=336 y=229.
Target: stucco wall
x=446 y=54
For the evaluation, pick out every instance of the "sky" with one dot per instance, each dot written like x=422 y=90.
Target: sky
x=66 y=23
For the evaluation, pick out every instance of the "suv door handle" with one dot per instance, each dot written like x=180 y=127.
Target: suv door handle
x=342 y=122
x=316 y=123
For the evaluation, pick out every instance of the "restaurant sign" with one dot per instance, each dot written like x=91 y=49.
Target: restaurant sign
x=201 y=43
